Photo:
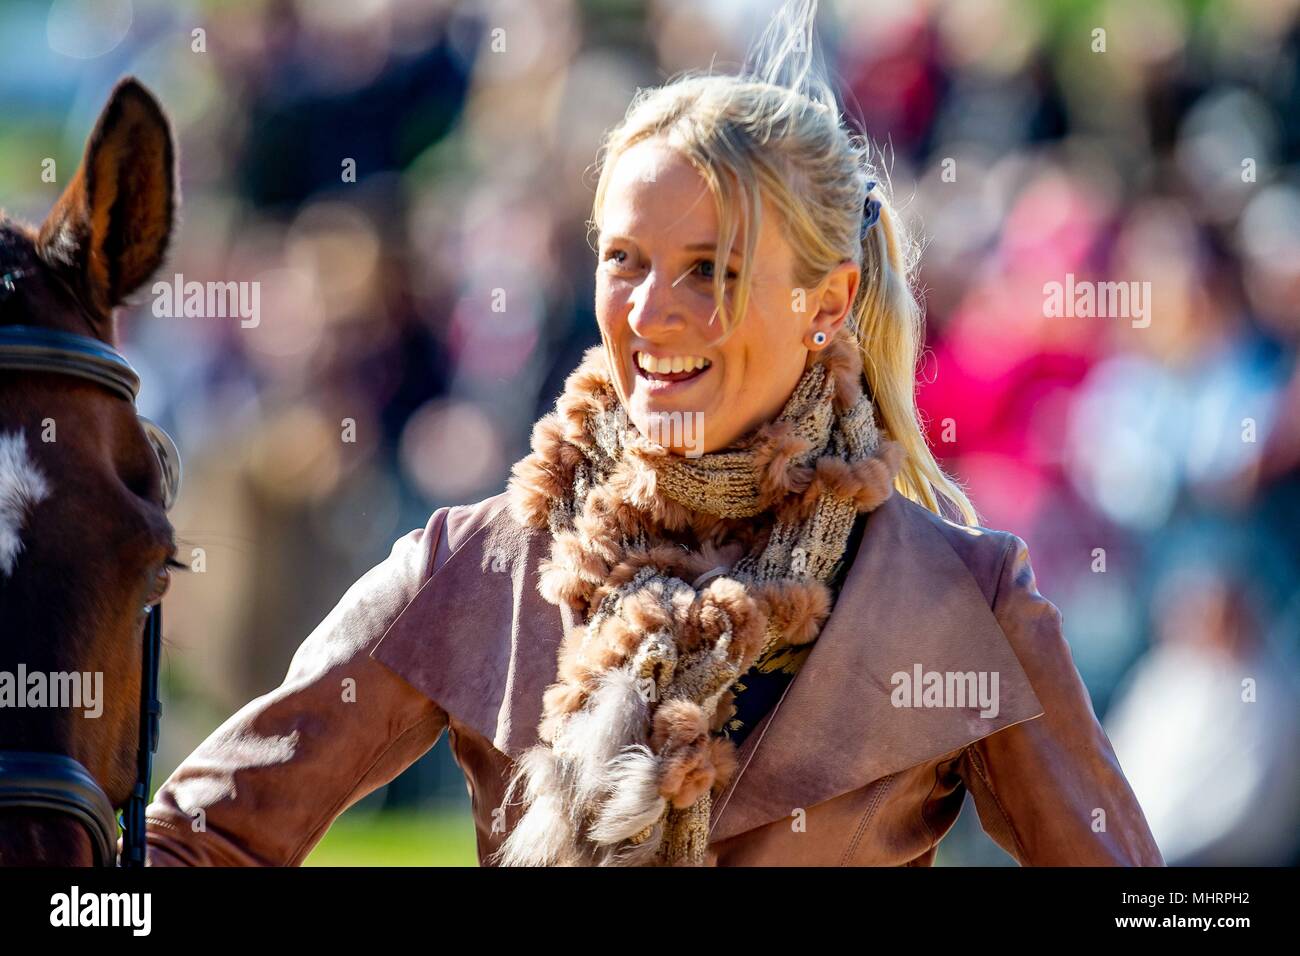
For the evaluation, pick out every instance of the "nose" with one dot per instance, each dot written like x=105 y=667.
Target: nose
x=656 y=311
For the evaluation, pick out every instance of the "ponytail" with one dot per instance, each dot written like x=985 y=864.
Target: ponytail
x=889 y=326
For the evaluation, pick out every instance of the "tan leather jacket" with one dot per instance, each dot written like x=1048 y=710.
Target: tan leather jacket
x=449 y=633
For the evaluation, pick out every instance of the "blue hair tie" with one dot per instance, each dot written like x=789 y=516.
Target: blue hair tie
x=870 y=211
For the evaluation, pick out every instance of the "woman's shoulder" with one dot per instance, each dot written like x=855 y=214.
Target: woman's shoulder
x=450 y=526
x=999 y=563
x=476 y=636
x=415 y=556
x=989 y=554
x=489 y=523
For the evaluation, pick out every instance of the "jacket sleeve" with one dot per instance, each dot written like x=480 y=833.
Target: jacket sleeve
x=1050 y=790
x=266 y=785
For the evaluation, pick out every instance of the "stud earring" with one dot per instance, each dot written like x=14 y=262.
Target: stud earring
x=819 y=338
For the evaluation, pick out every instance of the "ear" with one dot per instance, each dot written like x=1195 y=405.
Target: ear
x=834 y=299
x=112 y=224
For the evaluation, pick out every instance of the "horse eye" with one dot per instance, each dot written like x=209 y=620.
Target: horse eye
x=162 y=580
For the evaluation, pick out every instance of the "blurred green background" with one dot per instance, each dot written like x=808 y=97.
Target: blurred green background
x=443 y=837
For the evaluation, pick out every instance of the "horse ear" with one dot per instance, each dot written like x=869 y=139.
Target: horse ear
x=112 y=224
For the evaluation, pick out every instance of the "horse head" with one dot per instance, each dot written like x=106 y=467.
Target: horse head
x=85 y=542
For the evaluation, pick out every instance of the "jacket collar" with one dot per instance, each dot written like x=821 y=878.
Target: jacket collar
x=480 y=641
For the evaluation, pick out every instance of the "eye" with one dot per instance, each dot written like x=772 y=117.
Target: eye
x=610 y=255
x=162 y=580
x=731 y=273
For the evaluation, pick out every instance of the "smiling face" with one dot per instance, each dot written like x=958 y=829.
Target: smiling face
x=656 y=309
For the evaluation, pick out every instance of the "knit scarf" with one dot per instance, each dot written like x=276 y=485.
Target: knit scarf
x=682 y=571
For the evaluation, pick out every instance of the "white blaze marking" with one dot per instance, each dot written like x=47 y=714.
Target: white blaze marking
x=22 y=486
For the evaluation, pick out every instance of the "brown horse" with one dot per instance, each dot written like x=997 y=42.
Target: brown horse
x=85 y=543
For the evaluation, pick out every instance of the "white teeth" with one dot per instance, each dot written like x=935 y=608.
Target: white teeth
x=674 y=363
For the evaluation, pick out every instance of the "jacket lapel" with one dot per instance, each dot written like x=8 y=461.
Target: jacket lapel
x=908 y=599
x=478 y=638
x=480 y=641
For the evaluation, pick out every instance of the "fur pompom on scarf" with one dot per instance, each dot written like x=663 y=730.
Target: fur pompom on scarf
x=684 y=571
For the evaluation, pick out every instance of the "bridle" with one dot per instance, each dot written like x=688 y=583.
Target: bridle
x=50 y=781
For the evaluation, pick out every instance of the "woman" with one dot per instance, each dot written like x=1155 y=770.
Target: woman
x=718 y=616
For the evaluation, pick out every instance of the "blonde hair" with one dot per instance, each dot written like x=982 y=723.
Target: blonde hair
x=774 y=131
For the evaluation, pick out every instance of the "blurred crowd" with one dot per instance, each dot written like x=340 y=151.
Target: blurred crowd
x=1154 y=469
